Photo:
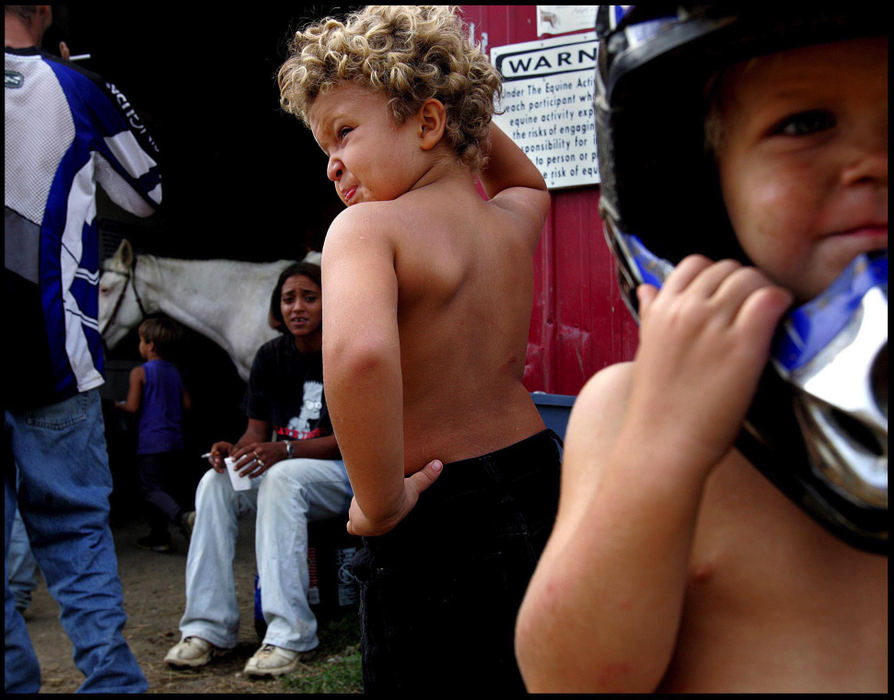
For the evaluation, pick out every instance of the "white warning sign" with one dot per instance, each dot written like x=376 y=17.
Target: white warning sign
x=547 y=105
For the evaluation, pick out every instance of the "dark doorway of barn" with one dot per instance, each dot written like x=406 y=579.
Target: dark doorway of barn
x=242 y=180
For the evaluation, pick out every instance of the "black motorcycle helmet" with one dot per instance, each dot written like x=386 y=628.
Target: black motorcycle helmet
x=655 y=70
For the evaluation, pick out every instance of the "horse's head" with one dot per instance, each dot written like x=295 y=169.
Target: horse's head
x=119 y=307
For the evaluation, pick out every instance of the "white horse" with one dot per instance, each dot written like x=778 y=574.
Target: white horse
x=224 y=300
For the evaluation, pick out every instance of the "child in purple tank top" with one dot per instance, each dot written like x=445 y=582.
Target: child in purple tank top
x=157 y=394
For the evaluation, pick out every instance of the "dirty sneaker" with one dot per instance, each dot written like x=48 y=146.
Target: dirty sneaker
x=271 y=660
x=187 y=523
x=155 y=543
x=192 y=652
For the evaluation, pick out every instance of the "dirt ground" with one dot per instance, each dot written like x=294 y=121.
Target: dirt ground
x=153 y=599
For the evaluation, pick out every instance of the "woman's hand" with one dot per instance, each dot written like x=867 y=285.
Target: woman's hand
x=415 y=484
x=254 y=458
x=218 y=452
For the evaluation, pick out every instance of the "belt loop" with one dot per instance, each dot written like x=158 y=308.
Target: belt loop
x=555 y=436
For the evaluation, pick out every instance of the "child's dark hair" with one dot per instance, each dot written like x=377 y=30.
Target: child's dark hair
x=305 y=268
x=163 y=331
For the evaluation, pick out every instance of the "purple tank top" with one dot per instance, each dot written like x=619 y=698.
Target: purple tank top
x=161 y=409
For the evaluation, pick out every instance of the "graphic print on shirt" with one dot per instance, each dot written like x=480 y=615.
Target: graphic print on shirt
x=305 y=424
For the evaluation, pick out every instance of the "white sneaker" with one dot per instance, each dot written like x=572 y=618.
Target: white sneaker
x=271 y=660
x=193 y=652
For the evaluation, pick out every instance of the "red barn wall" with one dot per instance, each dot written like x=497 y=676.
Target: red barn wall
x=579 y=322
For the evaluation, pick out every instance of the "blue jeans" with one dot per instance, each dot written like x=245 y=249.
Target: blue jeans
x=439 y=594
x=63 y=496
x=21 y=568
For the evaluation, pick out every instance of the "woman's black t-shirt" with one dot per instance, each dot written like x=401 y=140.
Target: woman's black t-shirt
x=285 y=389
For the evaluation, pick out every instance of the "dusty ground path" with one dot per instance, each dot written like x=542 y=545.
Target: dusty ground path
x=154 y=598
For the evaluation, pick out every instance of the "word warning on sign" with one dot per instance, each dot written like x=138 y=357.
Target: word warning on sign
x=547 y=105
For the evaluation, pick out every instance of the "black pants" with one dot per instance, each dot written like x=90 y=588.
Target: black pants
x=440 y=592
x=164 y=483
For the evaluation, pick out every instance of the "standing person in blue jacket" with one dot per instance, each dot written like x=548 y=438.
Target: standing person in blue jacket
x=157 y=394
x=66 y=131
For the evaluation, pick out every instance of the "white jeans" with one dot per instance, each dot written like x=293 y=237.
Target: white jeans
x=286 y=497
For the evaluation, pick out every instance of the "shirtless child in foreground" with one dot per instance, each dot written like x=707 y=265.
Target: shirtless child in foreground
x=675 y=565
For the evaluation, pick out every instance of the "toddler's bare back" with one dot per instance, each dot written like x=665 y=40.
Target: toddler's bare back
x=464 y=269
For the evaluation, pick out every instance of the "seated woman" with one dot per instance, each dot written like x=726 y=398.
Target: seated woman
x=296 y=478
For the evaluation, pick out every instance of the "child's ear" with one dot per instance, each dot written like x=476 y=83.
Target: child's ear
x=432 y=120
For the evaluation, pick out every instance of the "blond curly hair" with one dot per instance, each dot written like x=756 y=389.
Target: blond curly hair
x=411 y=53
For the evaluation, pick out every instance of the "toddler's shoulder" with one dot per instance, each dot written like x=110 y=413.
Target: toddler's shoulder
x=368 y=219
x=525 y=209
x=598 y=412
x=611 y=384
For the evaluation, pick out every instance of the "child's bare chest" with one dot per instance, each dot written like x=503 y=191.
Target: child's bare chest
x=774 y=603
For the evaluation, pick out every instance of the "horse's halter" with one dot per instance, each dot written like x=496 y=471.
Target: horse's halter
x=131 y=279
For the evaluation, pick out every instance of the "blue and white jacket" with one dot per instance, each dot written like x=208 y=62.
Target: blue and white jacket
x=67 y=130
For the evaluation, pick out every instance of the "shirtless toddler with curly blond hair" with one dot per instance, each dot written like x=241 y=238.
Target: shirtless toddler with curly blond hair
x=428 y=301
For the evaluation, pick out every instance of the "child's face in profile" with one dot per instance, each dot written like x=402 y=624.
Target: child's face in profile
x=371 y=158
x=143 y=347
x=804 y=159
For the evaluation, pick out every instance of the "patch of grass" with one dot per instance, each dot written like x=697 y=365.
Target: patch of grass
x=336 y=666
x=334 y=674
